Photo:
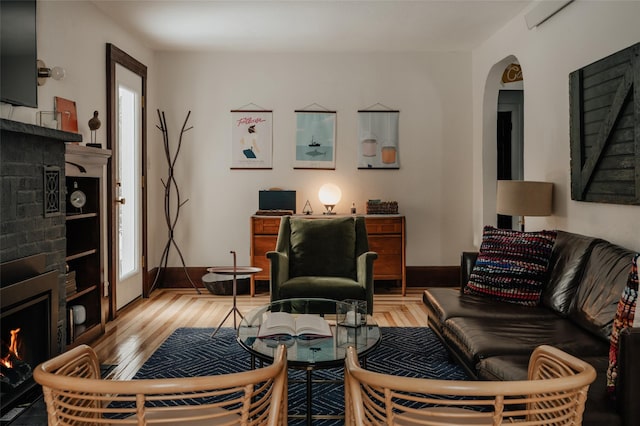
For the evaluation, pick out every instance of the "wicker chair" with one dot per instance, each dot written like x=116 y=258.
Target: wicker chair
x=554 y=394
x=76 y=395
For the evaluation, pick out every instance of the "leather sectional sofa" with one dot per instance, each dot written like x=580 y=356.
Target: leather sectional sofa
x=493 y=340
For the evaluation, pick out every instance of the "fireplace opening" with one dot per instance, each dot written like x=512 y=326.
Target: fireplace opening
x=28 y=325
x=24 y=345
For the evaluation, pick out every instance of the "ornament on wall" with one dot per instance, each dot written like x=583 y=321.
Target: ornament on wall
x=512 y=73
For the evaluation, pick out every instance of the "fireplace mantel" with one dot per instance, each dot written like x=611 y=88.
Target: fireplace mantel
x=30 y=129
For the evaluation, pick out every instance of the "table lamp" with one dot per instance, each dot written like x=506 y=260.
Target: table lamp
x=524 y=198
x=329 y=195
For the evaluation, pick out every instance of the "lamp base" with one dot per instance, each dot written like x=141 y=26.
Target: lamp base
x=329 y=208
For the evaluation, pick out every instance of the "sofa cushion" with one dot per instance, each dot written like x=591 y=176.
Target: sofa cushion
x=443 y=303
x=625 y=317
x=604 y=277
x=511 y=265
x=323 y=247
x=474 y=339
x=504 y=367
x=569 y=255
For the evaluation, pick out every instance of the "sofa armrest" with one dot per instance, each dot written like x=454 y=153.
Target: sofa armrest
x=279 y=272
x=365 y=275
x=467 y=262
x=629 y=376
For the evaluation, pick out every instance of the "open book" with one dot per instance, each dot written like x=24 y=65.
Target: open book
x=303 y=325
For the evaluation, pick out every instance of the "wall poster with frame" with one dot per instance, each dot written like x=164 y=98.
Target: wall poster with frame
x=251 y=139
x=378 y=139
x=315 y=140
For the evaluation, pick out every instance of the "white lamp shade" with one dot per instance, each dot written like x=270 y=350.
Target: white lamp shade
x=329 y=194
x=524 y=198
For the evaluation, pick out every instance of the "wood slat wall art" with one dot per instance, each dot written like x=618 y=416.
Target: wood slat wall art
x=605 y=129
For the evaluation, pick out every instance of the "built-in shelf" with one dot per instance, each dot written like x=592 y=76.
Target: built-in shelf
x=76 y=216
x=81 y=293
x=81 y=254
x=85 y=242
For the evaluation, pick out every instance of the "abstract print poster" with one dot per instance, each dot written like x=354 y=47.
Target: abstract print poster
x=251 y=139
x=378 y=139
x=315 y=140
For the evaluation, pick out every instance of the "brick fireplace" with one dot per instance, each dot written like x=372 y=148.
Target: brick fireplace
x=32 y=242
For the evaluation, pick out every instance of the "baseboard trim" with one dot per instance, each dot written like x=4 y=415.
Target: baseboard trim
x=433 y=276
x=417 y=276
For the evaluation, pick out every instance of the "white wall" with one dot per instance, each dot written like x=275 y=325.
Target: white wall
x=441 y=146
x=73 y=35
x=432 y=187
x=583 y=32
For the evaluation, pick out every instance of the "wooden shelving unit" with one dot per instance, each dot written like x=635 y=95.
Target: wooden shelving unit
x=84 y=247
x=86 y=242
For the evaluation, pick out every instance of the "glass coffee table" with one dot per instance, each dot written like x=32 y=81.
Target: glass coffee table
x=304 y=353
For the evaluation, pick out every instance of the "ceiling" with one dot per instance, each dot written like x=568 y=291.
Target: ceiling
x=312 y=25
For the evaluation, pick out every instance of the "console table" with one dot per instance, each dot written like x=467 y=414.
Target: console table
x=386 y=237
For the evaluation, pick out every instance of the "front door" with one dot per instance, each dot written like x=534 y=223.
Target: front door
x=128 y=191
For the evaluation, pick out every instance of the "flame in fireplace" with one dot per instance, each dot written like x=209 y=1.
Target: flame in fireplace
x=7 y=360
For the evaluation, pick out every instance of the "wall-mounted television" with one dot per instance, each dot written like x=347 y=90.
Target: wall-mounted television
x=18 y=53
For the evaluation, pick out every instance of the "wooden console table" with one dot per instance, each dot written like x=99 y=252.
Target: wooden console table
x=386 y=237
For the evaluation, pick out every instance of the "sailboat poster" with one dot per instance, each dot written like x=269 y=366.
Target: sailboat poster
x=251 y=139
x=315 y=140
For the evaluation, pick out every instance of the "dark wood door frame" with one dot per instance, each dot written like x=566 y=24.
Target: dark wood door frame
x=117 y=56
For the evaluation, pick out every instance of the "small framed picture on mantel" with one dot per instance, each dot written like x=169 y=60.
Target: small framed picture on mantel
x=68 y=114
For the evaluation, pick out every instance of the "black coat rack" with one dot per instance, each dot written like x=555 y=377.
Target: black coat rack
x=171 y=186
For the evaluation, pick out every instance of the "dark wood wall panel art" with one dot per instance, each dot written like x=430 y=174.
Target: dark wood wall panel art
x=605 y=129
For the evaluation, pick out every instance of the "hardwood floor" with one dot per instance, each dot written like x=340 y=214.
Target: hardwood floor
x=143 y=325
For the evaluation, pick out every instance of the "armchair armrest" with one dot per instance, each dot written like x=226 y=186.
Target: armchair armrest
x=467 y=262
x=279 y=272
x=365 y=275
x=629 y=376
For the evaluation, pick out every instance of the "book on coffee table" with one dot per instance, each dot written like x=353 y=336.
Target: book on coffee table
x=284 y=324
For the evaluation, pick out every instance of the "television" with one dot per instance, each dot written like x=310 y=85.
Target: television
x=18 y=53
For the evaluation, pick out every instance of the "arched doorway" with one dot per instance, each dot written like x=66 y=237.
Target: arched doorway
x=510 y=132
x=492 y=106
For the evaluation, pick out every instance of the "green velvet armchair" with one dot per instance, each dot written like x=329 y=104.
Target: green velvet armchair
x=322 y=258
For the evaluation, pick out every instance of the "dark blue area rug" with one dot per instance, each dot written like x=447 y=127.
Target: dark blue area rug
x=404 y=351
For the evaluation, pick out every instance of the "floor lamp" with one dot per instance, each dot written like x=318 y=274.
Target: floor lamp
x=524 y=198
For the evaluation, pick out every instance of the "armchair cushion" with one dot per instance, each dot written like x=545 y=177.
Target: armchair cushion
x=323 y=248
x=306 y=286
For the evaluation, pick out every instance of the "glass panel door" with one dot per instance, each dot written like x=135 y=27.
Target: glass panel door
x=128 y=113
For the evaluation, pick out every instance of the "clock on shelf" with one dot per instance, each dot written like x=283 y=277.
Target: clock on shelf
x=77 y=198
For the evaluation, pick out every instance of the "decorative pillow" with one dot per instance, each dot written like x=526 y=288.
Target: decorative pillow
x=512 y=265
x=625 y=317
x=323 y=247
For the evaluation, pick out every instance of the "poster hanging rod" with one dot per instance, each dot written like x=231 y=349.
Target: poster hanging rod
x=251 y=107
